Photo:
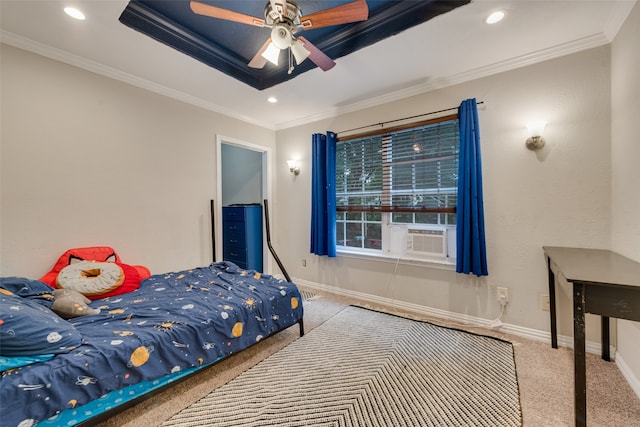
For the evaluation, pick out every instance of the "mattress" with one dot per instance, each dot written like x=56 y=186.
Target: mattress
x=173 y=323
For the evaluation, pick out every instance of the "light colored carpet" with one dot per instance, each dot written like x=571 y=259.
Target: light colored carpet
x=545 y=378
x=367 y=368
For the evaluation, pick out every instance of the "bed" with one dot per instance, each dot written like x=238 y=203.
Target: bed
x=172 y=326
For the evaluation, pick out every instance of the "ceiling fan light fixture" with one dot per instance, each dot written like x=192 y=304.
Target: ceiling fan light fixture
x=272 y=53
x=281 y=37
x=299 y=51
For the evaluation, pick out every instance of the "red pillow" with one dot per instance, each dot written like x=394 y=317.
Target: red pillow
x=133 y=275
x=93 y=253
x=142 y=271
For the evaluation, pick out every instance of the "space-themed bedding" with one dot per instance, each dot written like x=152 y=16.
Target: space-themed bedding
x=172 y=324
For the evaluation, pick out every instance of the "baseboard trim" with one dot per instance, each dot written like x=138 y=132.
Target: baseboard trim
x=627 y=373
x=529 y=333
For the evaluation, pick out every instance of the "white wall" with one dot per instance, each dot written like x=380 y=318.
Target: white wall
x=86 y=160
x=625 y=148
x=558 y=196
x=581 y=190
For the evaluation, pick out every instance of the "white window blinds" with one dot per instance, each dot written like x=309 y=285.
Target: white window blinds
x=409 y=169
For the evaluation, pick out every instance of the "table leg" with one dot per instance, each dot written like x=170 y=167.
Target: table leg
x=580 y=382
x=605 y=339
x=552 y=305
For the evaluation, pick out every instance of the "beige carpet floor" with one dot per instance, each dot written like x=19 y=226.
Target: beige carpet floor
x=545 y=378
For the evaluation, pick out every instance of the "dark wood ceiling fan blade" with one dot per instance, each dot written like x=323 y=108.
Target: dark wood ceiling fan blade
x=350 y=12
x=259 y=61
x=229 y=15
x=317 y=56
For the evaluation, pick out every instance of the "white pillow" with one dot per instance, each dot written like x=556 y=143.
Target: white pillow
x=91 y=278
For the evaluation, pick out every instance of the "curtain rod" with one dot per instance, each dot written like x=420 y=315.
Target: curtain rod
x=381 y=124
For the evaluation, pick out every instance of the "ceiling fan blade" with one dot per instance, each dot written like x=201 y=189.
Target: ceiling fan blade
x=350 y=12
x=317 y=56
x=259 y=61
x=229 y=15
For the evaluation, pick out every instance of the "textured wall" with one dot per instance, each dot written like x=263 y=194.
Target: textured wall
x=87 y=161
x=90 y=161
x=625 y=69
x=558 y=196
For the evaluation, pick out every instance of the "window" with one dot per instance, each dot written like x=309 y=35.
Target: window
x=406 y=175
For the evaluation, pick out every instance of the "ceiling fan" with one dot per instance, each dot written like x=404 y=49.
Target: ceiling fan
x=285 y=19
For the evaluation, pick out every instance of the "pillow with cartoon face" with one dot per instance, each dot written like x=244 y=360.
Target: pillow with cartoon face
x=28 y=328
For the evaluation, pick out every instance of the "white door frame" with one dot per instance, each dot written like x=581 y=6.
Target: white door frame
x=267 y=191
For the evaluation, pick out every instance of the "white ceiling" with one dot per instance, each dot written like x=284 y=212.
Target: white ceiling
x=449 y=49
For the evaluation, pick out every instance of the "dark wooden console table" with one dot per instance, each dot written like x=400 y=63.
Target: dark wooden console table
x=604 y=283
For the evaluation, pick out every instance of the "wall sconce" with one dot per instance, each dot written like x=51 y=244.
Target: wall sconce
x=535 y=141
x=293 y=166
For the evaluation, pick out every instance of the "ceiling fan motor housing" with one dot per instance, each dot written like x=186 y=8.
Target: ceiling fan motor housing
x=284 y=12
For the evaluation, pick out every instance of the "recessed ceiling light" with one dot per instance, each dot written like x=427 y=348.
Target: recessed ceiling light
x=272 y=99
x=74 y=13
x=495 y=17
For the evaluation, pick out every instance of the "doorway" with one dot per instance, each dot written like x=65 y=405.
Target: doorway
x=243 y=176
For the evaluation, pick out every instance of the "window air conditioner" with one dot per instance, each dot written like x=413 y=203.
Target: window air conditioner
x=427 y=241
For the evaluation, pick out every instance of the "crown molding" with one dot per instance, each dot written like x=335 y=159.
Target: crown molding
x=557 y=51
x=101 y=69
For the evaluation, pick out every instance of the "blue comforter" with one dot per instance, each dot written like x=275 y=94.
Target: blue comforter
x=173 y=322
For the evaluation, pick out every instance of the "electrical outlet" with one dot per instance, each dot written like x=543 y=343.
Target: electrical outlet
x=544 y=302
x=503 y=296
x=304 y=262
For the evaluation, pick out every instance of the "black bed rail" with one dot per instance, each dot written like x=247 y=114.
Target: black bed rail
x=213 y=231
x=275 y=255
x=273 y=252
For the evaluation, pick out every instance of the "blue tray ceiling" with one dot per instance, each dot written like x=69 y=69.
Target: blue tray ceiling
x=229 y=46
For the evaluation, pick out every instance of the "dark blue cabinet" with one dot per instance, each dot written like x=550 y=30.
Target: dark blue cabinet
x=242 y=235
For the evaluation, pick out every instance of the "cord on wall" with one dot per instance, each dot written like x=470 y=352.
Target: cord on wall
x=390 y=283
x=502 y=299
x=494 y=324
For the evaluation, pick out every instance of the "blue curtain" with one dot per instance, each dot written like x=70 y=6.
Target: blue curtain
x=323 y=194
x=471 y=247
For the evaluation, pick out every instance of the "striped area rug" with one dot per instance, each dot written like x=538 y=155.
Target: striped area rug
x=307 y=295
x=366 y=368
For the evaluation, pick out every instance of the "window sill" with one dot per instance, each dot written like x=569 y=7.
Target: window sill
x=444 y=264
